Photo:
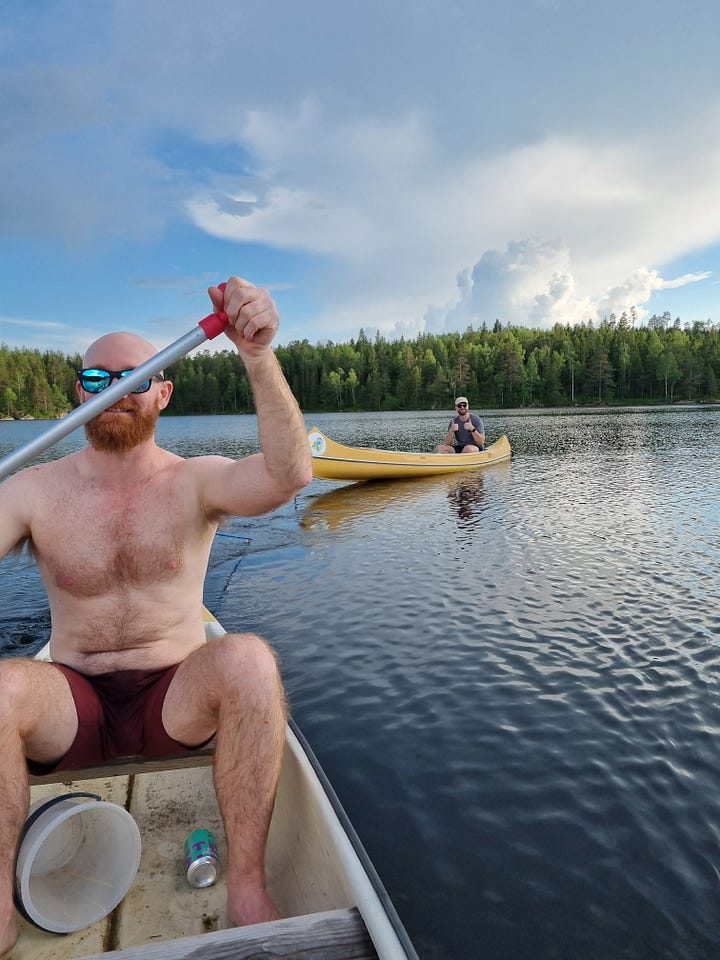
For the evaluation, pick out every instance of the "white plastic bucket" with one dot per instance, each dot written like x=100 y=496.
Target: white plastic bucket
x=77 y=859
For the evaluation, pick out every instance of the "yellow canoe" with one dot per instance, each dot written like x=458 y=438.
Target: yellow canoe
x=333 y=461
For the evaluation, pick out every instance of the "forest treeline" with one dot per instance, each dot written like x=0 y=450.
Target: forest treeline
x=615 y=362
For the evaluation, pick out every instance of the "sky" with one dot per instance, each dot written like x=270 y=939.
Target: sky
x=395 y=166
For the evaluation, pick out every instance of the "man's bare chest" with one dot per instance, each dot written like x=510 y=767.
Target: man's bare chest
x=94 y=541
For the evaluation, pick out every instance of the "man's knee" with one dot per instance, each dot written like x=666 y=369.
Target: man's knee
x=241 y=670
x=247 y=658
x=254 y=670
x=14 y=685
x=28 y=696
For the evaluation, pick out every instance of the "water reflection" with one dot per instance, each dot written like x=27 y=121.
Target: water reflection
x=467 y=499
x=346 y=504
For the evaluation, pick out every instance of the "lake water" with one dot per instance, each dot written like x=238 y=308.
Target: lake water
x=511 y=678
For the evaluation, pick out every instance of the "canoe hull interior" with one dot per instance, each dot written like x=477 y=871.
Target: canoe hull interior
x=314 y=862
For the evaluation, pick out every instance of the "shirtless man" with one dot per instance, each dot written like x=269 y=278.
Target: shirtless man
x=121 y=531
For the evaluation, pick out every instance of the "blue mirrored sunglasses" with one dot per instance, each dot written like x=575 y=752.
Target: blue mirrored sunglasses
x=95 y=379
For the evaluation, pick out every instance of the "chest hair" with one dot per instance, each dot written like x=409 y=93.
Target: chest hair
x=104 y=539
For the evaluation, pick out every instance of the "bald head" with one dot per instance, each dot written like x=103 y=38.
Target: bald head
x=119 y=351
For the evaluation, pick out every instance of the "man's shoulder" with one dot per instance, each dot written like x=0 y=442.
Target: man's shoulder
x=33 y=491
x=38 y=474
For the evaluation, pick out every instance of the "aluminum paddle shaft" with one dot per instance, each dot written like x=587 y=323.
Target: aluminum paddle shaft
x=207 y=329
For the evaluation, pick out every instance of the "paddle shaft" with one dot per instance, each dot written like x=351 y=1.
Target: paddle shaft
x=207 y=329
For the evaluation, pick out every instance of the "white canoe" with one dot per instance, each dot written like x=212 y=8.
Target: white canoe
x=332 y=901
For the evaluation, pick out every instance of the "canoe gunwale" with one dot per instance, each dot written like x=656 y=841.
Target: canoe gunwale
x=356 y=843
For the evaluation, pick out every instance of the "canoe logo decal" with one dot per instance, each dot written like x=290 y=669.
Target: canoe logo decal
x=317 y=444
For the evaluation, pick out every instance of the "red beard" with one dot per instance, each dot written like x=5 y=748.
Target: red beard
x=118 y=434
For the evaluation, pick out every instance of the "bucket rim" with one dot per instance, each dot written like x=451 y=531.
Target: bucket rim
x=21 y=891
x=42 y=806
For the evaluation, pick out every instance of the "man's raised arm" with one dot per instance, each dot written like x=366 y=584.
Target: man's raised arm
x=285 y=465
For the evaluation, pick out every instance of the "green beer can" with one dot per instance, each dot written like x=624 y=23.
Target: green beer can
x=201 y=859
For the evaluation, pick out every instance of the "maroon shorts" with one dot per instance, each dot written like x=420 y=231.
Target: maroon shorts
x=119 y=715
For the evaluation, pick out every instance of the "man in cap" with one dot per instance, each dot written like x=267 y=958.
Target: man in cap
x=466 y=432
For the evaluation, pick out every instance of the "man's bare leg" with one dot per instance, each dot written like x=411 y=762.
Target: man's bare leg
x=14 y=795
x=37 y=716
x=232 y=685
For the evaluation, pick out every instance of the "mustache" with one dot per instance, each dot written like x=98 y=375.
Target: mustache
x=120 y=408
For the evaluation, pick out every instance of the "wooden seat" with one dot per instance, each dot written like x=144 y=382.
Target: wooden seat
x=332 y=935
x=125 y=766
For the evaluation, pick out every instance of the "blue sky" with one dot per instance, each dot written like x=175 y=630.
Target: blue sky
x=393 y=165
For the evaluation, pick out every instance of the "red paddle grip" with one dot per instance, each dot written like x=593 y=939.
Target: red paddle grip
x=215 y=323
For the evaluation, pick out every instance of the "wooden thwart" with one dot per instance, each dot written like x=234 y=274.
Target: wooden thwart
x=331 y=935
x=125 y=766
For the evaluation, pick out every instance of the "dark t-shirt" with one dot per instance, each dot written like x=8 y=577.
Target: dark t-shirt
x=463 y=435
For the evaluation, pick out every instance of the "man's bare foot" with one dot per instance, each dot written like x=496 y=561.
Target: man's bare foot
x=9 y=934
x=252 y=907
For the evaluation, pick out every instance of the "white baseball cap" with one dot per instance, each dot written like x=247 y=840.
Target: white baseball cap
x=461 y=400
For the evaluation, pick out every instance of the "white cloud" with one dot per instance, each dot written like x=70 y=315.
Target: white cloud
x=287 y=218
x=528 y=283
x=685 y=279
x=348 y=189
x=531 y=283
x=366 y=154
x=406 y=219
x=35 y=324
